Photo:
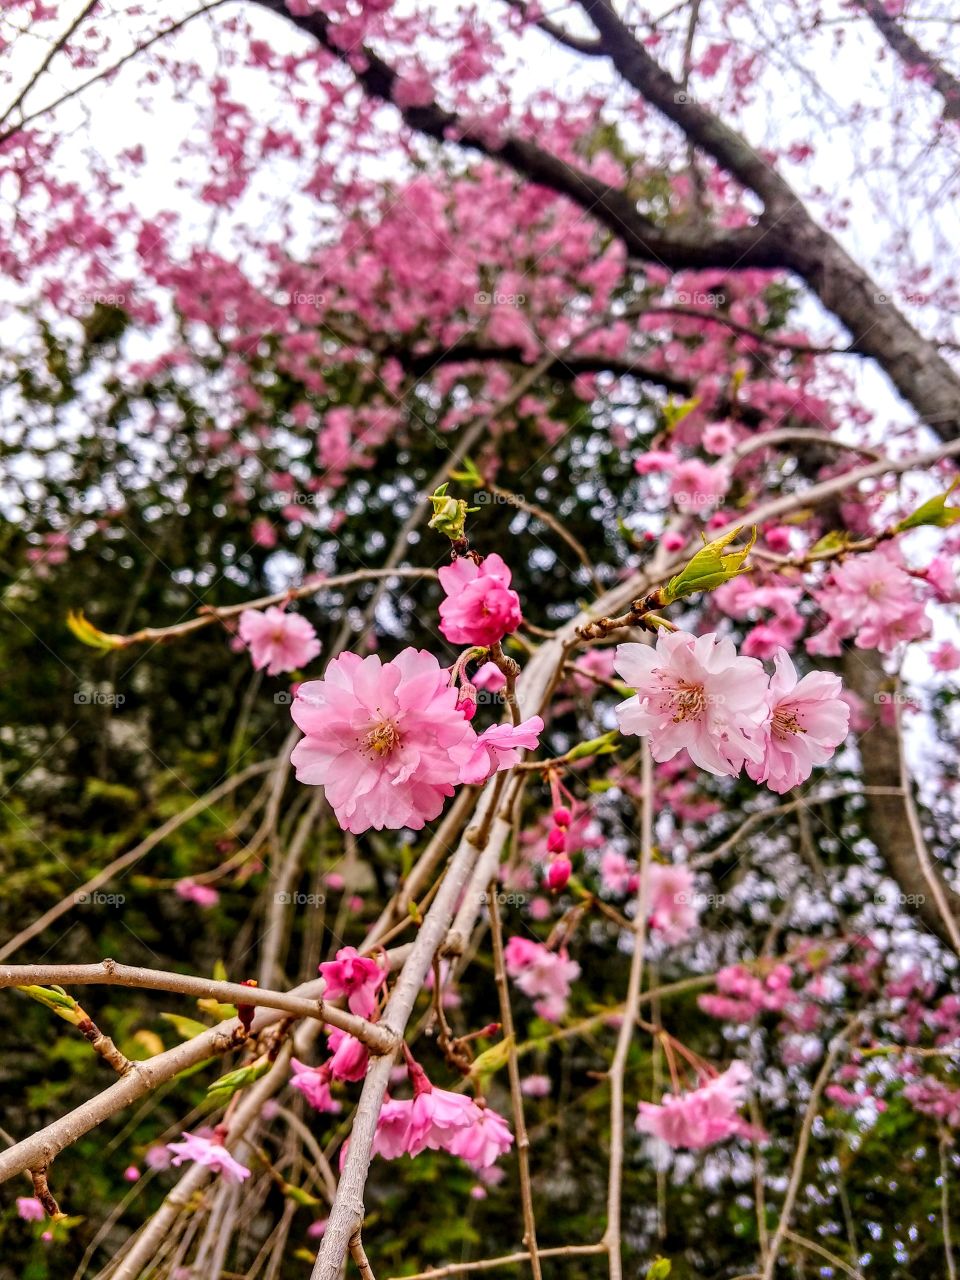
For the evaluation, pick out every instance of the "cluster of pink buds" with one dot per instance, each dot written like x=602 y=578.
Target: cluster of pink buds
x=559 y=867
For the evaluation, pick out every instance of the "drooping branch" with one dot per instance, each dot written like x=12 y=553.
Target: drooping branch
x=876 y=327
x=614 y=208
x=914 y=55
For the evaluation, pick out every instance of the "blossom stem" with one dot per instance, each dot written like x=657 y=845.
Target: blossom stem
x=513 y=1071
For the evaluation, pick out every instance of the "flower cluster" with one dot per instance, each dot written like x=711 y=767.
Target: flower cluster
x=873 y=598
x=702 y=1117
x=543 y=975
x=743 y=995
x=697 y=693
x=438 y=1120
x=480 y=607
x=390 y=741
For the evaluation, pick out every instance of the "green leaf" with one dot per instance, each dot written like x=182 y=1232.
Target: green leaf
x=710 y=567
x=491 y=1059
x=57 y=1000
x=595 y=747
x=449 y=514
x=228 y=1085
x=90 y=635
x=186 y=1028
x=659 y=1269
x=468 y=475
x=835 y=540
x=674 y=411
x=935 y=512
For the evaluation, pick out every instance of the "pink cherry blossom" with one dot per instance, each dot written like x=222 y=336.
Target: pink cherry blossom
x=543 y=975
x=480 y=608
x=350 y=1055
x=873 y=598
x=393 y=1127
x=435 y=1114
x=807 y=722
x=277 y=640
x=694 y=692
x=203 y=895
x=490 y=678
x=208 y=1152
x=314 y=1084
x=30 y=1209
x=701 y=1118
x=693 y=484
x=385 y=739
x=536 y=1086
x=655 y=460
x=484 y=1141
x=719 y=437
x=670 y=903
x=355 y=976
x=499 y=748
x=946 y=657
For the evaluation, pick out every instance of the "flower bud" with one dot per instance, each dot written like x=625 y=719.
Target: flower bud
x=562 y=817
x=556 y=840
x=558 y=874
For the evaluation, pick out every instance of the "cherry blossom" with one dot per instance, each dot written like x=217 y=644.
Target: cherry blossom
x=385 y=740
x=499 y=748
x=480 y=608
x=30 y=1209
x=350 y=1055
x=277 y=640
x=807 y=722
x=483 y=1142
x=543 y=975
x=314 y=1084
x=703 y=1117
x=670 y=904
x=694 y=692
x=357 y=977
x=873 y=598
x=209 y=1152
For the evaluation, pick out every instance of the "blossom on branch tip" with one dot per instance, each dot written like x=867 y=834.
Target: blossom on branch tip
x=541 y=974
x=702 y=1117
x=385 y=739
x=694 y=692
x=277 y=640
x=314 y=1084
x=499 y=748
x=207 y=1152
x=350 y=1055
x=807 y=721
x=355 y=976
x=480 y=607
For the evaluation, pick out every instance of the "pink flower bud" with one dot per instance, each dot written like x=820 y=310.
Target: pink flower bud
x=556 y=840
x=562 y=817
x=558 y=874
